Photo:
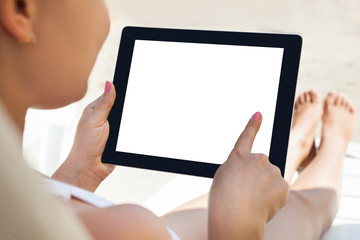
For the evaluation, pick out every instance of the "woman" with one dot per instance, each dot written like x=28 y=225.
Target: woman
x=47 y=51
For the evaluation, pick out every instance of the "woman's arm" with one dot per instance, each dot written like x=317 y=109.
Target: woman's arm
x=83 y=167
x=127 y=221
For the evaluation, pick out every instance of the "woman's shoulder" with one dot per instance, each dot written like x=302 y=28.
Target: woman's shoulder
x=22 y=197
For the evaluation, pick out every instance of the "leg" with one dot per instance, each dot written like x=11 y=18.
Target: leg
x=189 y=221
x=314 y=199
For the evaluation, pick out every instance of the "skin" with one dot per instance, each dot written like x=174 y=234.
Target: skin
x=64 y=42
x=253 y=169
x=313 y=199
x=91 y=136
x=41 y=74
x=253 y=187
x=54 y=81
x=317 y=189
x=308 y=111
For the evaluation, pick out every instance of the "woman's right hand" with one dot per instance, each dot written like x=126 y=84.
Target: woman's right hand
x=247 y=191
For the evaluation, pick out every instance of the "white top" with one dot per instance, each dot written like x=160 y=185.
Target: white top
x=65 y=191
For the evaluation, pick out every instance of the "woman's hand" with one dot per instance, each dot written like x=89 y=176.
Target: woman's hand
x=83 y=167
x=247 y=191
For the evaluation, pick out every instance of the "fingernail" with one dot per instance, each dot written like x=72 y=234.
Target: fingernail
x=257 y=116
x=107 y=87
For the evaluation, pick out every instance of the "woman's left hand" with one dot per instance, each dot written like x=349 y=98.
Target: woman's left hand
x=83 y=167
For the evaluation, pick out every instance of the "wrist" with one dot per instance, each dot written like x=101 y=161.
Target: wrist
x=239 y=232
x=254 y=230
x=77 y=170
x=243 y=227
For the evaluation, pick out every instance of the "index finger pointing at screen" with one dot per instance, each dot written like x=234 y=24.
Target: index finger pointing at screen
x=247 y=137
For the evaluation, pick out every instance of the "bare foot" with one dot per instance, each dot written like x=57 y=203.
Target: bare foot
x=307 y=115
x=325 y=171
x=338 y=118
x=322 y=178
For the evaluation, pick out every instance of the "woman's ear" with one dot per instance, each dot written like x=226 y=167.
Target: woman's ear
x=16 y=17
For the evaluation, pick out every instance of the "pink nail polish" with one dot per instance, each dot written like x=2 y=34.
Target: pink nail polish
x=107 y=87
x=257 y=116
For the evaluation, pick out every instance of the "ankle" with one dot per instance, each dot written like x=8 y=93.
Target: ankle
x=334 y=138
x=336 y=145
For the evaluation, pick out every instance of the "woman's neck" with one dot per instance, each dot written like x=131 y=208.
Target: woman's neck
x=17 y=114
x=14 y=102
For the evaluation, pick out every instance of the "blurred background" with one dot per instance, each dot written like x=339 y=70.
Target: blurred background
x=330 y=61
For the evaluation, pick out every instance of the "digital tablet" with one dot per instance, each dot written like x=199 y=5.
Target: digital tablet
x=185 y=96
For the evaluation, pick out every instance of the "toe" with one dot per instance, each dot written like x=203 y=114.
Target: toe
x=353 y=109
x=301 y=98
x=331 y=98
x=349 y=105
x=346 y=102
x=307 y=97
x=352 y=106
x=315 y=96
x=339 y=100
x=297 y=101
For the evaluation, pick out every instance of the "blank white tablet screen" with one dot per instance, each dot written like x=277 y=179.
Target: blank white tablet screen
x=191 y=101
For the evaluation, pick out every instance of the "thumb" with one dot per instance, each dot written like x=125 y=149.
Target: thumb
x=247 y=137
x=99 y=109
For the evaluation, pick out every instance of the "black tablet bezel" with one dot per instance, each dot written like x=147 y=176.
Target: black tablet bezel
x=284 y=105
